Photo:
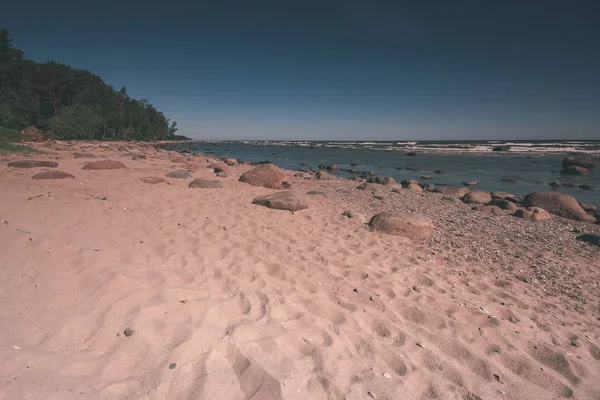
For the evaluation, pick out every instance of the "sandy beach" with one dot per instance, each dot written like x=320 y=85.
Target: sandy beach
x=112 y=287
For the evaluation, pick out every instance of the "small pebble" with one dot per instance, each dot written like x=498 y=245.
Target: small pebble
x=371 y=395
x=386 y=375
x=172 y=365
x=128 y=332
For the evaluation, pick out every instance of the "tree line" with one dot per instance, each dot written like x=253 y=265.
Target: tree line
x=71 y=103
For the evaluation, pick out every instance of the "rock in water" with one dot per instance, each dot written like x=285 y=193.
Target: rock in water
x=584 y=162
x=589 y=238
x=477 y=197
x=470 y=183
x=407 y=225
x=180 y=174
x=32 y=164
x=330 y=167
x=282 y=201
x=574 y=170
x=152 y=180
x=558 y=203
x=588 y=208
x=382 y=180
x=205 y=184
x=52 y=175
x=104 y=164
x=452 y=190
x=267 y=175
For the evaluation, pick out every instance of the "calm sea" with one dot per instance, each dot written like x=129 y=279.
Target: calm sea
x=532 y=163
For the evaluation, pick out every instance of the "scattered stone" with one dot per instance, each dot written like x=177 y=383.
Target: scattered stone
x=201 y=183
x=267 y=175
x=408 y=225
x=584 y=162
x=348 y=214
x=477 y=197
x=502 y=195
x=172 y=365
x=470 y=183
x=533 y=214
x=33 y=164
x=330 y=167
x=387 y=376
x=504 y=204
x=554 y=185
x=230 y=161
x=589 y=238
x=586 y=187
x=558 y=203
x=128 y=332
x=411 y=154
x=179 y=174
x=315 y=193
x=426 y=177
x=430 y=187
x=52 y=175
x=456 y=191
x=104 y=165
x=282 y=201
x=574 y=170
x=382 y=180
x=152 y=180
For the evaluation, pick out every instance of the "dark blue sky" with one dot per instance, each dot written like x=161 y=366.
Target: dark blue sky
x=397 y=70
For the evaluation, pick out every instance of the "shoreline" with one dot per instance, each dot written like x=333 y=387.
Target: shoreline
x=287 y=295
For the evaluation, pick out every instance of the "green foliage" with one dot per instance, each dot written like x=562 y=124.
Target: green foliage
x=9 y=135
x=8 y=147
x=71 y=103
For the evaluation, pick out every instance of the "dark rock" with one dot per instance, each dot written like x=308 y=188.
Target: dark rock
x=430 y=187
x=567 y=184
x=574 y=170
x=554 y=185
x=84 y=155
x=330 y=167
x=282 y=201
x=470 y=183
x=32 y=164
x=557 y=203
x=589 y=238
x=204 y=184
x=504 y=204
x=584 y=162
x=413 y=168
x=315 y=193
x=425 y=177
x=52 y=175
x=128 y=332
x=104 y=165
x=438 y=171
x=180 y=174
x=267 y=175
x=586 y=187
x=411 y=154
x=407 y=225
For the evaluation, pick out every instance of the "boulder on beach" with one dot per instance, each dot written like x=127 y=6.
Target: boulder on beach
x=502 y=195
x=574 y=170
x=230 y=161
x=381 y=180
x=179 y=160
x=52 y=175
x=429 y=187
x=456 y=191
x=267 y=175
x=408 y=225
x=201 y=183
x=504 y=204
x=532 y=214
x=152 y=180
x=584 y=162
x=588 y=208
x=324 y=176
x=32 y=164
x=287 y=200
x=558 y=203
x=104 y=165
x=179 y=174
x=476 y=197
x=219 y=167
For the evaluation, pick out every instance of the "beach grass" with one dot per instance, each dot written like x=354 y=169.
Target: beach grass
x=8 y=137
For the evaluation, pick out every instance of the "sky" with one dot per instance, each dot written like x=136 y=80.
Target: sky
x=336 y=70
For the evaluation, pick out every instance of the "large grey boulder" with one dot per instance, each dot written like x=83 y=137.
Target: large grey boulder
x=477 y=197
x=408 y=225
x=180 y=174
x=558 y=203
x=455 y=191
x=201 y=183
x=584 y=162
